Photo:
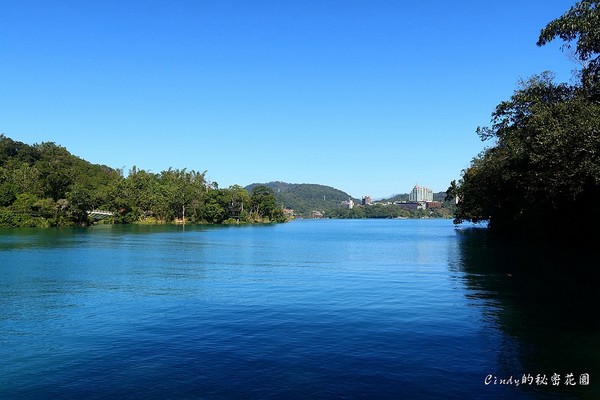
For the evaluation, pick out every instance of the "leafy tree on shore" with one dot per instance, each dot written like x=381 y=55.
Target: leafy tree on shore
x=226 y=205
x=215 y=206
x=263 y=204
x=544 y=165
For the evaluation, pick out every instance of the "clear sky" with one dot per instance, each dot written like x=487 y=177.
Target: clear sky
x=370 y=96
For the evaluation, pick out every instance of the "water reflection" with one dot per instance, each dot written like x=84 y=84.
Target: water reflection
x=544 y=304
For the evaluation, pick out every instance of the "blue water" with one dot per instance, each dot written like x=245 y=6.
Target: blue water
x=310 y=309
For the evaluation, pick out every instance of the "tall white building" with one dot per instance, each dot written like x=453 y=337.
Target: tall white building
x=420 y=193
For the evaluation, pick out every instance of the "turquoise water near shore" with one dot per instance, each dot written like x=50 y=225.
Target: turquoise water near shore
x=307 y=309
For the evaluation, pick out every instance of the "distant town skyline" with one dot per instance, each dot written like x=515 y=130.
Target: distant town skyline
x=364 y=97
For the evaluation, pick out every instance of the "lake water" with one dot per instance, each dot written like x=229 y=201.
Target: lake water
x=310 y=309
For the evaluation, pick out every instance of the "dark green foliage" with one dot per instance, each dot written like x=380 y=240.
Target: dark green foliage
x=17 y=152
x=263 y=204
x=45 y=185
x=372 y=211
x=545 y=166
x=215 y=206
x=543 y=169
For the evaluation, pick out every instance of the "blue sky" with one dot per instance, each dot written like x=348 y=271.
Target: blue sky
x=370 y=97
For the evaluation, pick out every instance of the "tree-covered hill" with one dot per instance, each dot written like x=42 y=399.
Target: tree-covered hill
x=304 y=198
x=45 y=180
x=45 y=185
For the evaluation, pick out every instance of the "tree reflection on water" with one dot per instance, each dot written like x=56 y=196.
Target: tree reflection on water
x=543 y=301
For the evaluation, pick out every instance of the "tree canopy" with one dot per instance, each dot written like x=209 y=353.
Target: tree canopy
x=543 y=168
x=45 y=185
x=581 y=23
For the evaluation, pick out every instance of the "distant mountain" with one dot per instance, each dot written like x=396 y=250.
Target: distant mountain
x=304 y=198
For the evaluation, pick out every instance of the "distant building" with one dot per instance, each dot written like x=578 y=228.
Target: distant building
x=412 y=205
x=408 y=206
x=420 y=193
x=434 y=204
x=367 y=200
x=349 y=204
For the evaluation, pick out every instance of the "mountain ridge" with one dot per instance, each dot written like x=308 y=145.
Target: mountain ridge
x=305 y=198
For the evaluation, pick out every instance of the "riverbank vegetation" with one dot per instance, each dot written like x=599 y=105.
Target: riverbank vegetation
x=542 y=172
x=45 y=185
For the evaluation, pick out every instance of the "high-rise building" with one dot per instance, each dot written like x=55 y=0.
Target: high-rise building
x=420 y=193
x=366 y=200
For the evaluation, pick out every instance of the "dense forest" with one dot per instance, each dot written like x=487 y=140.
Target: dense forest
x=541 y=175
x=45 y=185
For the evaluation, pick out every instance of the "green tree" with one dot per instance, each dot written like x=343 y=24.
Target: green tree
x=581 y=23
x=24 y=203
x=215 y=206
x=180 y=189
x=80 y=201
x=264 y=206
x=238 y=203
x=56 y=170
x=8 y=190
x=544 y=166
